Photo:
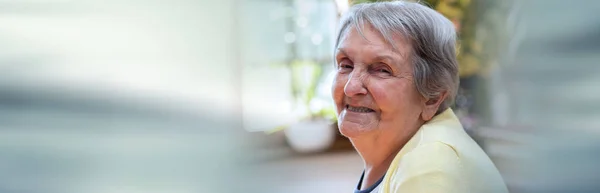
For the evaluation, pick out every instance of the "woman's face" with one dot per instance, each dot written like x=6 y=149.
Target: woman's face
x=373 y=90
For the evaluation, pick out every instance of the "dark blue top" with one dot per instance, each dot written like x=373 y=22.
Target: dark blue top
x=367 y=190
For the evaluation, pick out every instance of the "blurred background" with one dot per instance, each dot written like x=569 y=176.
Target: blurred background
x=234 y=95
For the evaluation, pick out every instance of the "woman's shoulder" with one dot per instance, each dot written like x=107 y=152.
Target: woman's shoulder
x=442 y=157
x=427 y=168
x=439 y=167
x=436 y=155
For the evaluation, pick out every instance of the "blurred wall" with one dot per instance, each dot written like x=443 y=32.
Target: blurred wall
x=546 y=98
x=119 y=96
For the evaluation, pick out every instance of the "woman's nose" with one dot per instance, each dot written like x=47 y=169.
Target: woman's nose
x=355 y=85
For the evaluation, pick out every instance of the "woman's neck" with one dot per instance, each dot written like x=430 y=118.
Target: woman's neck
x=378 y=150
x=377 y=158
x=375 y=172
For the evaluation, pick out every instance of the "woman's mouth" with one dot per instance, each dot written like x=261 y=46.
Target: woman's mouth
x=359 y=109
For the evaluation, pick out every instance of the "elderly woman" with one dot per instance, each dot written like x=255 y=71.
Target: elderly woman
x=396 y=78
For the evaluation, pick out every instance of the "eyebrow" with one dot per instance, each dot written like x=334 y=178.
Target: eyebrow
x=384 y=58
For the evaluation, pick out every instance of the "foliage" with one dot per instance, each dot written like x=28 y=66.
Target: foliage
x=305 y=78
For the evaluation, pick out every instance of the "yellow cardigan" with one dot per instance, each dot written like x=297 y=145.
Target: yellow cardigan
x=442 y=158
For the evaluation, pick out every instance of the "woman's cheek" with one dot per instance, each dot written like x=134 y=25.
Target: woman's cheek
x=380 y=91
x=337 y=90
x=388 y=95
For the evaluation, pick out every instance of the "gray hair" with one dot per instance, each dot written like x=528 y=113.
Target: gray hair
x=431 y=35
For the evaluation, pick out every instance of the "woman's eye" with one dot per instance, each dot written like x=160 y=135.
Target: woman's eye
x=345 y=65
x=383 y=71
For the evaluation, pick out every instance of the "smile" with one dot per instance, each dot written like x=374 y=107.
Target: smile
x=359 y=109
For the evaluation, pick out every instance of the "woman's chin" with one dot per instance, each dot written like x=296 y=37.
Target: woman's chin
x=353 y=130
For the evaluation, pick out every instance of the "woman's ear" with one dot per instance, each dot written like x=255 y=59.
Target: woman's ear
x=432 y=105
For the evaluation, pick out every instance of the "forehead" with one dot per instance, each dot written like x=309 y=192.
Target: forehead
x=369 y=41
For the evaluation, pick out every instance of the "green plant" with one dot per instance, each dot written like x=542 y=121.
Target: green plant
x=305 y=78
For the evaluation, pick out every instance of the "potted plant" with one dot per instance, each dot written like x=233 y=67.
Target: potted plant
x=314 y=131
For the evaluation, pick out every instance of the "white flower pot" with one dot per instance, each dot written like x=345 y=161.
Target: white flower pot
x=310 y=136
